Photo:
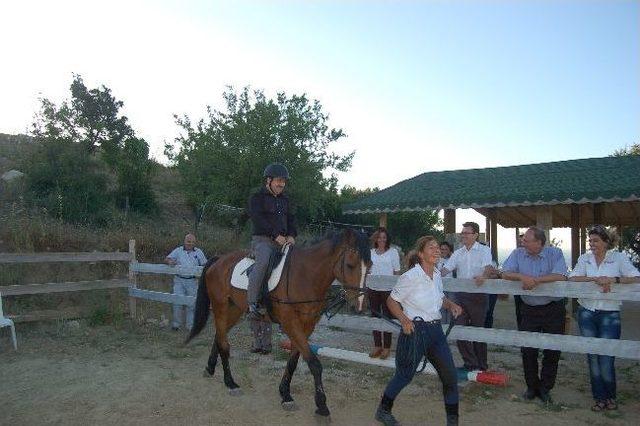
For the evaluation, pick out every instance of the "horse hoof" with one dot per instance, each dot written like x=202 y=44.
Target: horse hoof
x=235 y=392
x=324 y=412
x=206 y=373
x=289 y=406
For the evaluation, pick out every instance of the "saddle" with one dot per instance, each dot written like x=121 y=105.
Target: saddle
x=240 y=274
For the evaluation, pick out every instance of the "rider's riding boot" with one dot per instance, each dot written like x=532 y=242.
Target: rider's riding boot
x=452 y=414
x=255 y=312
x=383 y=413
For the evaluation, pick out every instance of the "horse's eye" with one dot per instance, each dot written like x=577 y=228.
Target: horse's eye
x=350 y=266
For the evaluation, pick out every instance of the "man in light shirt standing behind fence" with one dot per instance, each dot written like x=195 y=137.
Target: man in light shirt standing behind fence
x=185 y=285
x=471 y=261
x=534 y=264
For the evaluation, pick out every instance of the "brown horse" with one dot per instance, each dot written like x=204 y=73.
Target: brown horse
x=297 y=302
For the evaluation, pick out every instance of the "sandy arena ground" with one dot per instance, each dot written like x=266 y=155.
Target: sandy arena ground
x=69 y=373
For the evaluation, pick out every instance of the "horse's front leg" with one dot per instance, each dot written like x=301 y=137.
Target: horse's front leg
x=316 y=369
x=299 y=341
x=285 y=385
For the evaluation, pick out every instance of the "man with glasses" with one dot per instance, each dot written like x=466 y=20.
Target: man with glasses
x=533 y=264
x=471 y=261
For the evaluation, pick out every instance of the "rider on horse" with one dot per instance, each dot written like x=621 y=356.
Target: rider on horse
x=273 y=227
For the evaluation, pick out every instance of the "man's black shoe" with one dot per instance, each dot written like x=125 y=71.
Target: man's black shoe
x=544 y=396
x=529 y=394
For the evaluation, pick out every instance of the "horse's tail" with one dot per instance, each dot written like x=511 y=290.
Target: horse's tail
x=201 y=314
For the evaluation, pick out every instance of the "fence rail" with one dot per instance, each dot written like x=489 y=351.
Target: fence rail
x=64 y=257
x=576 y=344
x=44 y=288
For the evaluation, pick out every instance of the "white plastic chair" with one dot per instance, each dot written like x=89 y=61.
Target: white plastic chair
x=6 y=322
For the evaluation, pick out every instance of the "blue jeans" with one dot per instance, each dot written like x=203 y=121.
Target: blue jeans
x=606 y=325
x=427 y=338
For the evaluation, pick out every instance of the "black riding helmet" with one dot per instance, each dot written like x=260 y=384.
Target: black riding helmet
x=276 y=170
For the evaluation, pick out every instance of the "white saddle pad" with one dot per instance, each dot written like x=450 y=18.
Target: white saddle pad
x=240 y=278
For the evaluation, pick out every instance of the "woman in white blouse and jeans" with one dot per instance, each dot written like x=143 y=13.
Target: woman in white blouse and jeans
x=385 y=261
x=601 y=318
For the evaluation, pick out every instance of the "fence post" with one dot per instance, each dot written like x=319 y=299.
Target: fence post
x=132 y=278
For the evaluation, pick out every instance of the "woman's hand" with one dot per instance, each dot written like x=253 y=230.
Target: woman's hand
x=407 y=326
x=455 y=309
x=605 y=283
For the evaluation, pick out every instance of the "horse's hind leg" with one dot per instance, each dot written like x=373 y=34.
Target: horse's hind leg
x=223 y=325
x=210 y=369
x=285 y=385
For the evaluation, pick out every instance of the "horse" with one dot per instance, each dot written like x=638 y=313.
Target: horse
x=296 y=302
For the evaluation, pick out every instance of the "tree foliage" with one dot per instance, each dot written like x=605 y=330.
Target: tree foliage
x=89 y=132
x=404 y=227
x=68 y=182
x=630 y=236
x=221 y=158
x=634 y=149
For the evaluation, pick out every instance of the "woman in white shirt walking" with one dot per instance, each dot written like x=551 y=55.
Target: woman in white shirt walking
x=385 y=261
x=601 y=318
x=416 y=301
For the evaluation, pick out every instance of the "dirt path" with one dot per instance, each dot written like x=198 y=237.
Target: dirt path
x=141 y=375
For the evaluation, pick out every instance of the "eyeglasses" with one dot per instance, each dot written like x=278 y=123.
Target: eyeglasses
x=467 y=233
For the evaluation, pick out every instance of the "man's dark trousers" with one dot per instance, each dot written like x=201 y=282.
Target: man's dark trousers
x=542 y=319
x=474 y=305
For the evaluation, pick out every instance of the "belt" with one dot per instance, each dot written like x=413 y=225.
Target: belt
x=419 y=320
x=184 y=277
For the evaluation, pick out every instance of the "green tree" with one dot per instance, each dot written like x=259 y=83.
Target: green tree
x=92 y=119
x=404 y=227
x=221 y=159
x=68 y=182
x=630 y=236
x=634 y=149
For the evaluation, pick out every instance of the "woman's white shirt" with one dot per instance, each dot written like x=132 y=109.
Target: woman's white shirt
x=615 y=264
x=419 y=295
x=384 y=264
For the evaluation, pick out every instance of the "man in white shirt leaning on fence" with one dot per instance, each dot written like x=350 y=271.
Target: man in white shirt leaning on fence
x=471 y=261
x=185 y=285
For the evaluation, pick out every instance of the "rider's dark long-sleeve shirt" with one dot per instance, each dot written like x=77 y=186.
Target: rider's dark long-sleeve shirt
x=271 y=215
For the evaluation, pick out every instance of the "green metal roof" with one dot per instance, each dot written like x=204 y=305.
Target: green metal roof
x=591 y=180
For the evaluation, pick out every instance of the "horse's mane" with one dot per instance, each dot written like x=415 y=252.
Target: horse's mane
x=362 y=241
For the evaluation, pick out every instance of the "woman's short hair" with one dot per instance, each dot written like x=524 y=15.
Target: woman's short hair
x=376 y=234
x=412 y=258
x=609 y=236
x=448 y=244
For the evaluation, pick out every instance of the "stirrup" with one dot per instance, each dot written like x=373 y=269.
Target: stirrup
x=255 y=312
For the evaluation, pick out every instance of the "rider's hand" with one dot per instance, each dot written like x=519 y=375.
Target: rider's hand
x=280 y=240
x=291 y=240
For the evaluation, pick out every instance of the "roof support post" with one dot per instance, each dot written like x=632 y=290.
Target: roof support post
x=544 y=219
x=494 y=238
x=449 y=221
x=383 y=220
x=575 y=234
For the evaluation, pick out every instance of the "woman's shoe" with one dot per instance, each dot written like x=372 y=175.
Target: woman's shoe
x=376 y=352
x=385 y=353
x=599 y=406
x=611 y=404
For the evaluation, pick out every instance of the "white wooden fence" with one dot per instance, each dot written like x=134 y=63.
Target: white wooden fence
x=61 y=287
x=576 y=344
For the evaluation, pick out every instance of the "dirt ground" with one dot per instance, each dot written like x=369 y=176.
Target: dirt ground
x=69 y=373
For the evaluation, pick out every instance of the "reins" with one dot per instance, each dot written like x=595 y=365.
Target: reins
x=413 y=342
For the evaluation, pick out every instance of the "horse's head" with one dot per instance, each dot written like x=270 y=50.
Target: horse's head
x=354 y=259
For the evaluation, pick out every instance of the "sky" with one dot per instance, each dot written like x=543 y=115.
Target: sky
x=417 y=86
